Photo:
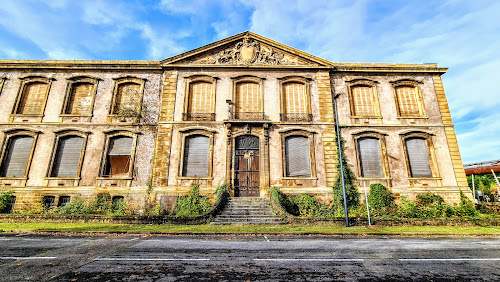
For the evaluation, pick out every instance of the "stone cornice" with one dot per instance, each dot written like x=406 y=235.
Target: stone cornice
x=80 y=64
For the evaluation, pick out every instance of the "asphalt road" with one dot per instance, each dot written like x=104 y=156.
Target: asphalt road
x=250 y=258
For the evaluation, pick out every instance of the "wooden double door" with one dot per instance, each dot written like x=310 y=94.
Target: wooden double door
x=246 y=166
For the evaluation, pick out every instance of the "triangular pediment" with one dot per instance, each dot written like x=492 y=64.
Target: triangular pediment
x=249 y=50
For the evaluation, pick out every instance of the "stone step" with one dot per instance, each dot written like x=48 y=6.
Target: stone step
x=246 y=211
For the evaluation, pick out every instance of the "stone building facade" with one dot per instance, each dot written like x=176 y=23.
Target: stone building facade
x=245 y=110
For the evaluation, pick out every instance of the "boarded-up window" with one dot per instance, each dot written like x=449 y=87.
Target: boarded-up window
x=295 y=98
x=67 y=158
x=196 y=155
x=119 y=156
x=369 y=157
x=200 y=97
x=17 y=156
x=407 y=101
x=248 y=97
x=297 y=156
x=363 y=101
x=80 y=99
x=127 y=100
x=418 y=157
x=33 y=99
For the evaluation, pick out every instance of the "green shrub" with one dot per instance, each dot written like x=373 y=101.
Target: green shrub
x=307 y=205
x=118 y=208
x=407 y=208
x=284 y=201
x=380 y=200
x=77 y=206
x=6 y=201
x=466 y=207
x=192 y=204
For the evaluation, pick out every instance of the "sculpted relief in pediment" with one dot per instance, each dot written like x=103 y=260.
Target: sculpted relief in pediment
x=249 y=52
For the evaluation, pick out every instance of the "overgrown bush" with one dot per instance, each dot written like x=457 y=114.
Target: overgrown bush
x=466 y=207
x=192 y=204
x=306 y=205
x=352 y=194
x=428 y=205
x=6 y=199
x=76 y=206
x=380 y=200
x=484 y=183
x=407 y=208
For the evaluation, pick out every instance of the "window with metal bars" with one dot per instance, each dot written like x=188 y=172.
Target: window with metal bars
x=63 y=201
x=48 y=202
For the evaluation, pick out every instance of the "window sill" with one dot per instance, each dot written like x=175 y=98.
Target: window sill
x=374 y=178
x=13 y=178
x=413 y=117
x=115 y=178
x=195 y=178
x=424 y=178
x=299 y=178
x=368 y=117
x=62 y=178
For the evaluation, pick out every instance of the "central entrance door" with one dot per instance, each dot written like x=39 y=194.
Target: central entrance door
x=246 y=167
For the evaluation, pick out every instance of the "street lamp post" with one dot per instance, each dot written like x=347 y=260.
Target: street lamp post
x=339 y=144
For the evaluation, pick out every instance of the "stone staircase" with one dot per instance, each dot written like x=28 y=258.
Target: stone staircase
x=246 y=211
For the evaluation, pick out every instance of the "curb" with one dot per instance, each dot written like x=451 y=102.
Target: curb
x=244 y=234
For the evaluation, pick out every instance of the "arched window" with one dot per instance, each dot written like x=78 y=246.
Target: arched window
x=200 y=99
x=248 y=101
x=118 y=161
x=370 y=161
x=68 y=157
x=33 y=99
x=80 y=99
x=17 y=156
x=418 y=157
x=363 y=101
x=407 y=101
x=295 y=101
x=408 y=98
x=196 y=156
x=297 y=156
x=363 y=98
x=128 y=99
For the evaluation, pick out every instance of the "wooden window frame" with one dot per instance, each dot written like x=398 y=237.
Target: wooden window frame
x=59 y=135
x=415 y=84
x=200 y=78
x=113 y=118
x=383 y=154
x=247 y=78
x=431 y=155
x=109 y=136
x=311 y=140
x=366 y=83
x=8 y=135
x=306 y=81
x=190 y=132
x=64 y=116
x=25 y=81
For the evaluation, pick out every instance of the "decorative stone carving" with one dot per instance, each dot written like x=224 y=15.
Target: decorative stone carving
x=250 y=52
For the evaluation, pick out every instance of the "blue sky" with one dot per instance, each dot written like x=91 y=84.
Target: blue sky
x=462 y=35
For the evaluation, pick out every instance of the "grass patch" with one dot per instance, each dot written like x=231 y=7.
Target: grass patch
x=206 y=228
